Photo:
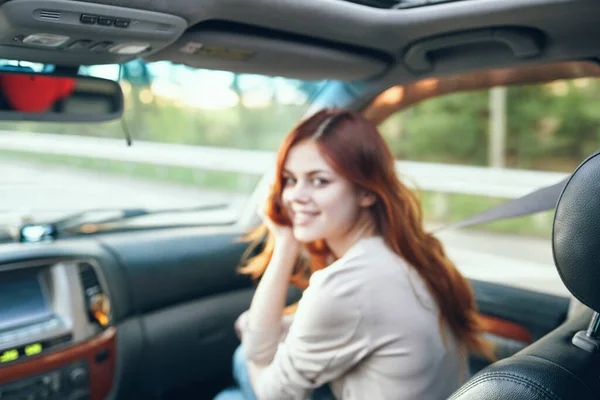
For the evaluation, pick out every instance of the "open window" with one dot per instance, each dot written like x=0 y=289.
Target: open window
x=476 y=140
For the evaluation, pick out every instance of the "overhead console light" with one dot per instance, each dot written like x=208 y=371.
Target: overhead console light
x=129 y=48
x=46 y=39
x=86 y=31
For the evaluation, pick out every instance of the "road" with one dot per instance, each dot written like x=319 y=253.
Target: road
x=53 y=191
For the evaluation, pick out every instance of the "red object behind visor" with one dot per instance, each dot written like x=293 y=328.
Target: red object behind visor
x=34 y=93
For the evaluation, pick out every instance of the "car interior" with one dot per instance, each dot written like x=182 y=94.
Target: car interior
x=149 y=313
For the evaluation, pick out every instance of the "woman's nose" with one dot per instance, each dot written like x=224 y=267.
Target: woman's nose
x=300 y=193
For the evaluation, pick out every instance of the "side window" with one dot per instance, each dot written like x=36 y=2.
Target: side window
x=471 y=150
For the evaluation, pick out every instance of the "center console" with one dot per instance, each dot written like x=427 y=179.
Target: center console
x=69 y=382
x=56 y=338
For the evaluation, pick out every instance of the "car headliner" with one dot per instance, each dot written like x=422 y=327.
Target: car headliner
x=336 y=39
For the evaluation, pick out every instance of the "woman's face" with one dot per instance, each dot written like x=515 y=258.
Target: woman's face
x=320 y=203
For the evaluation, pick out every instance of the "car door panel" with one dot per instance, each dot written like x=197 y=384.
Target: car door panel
x=514 y=318
x=537 y=312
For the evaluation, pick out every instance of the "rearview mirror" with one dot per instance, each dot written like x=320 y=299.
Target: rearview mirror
x=30 y=96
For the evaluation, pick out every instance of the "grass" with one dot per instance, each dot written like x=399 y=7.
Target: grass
x=437 y=208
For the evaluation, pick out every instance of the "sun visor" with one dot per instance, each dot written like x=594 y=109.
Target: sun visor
x=67 y=32
x=249 y=50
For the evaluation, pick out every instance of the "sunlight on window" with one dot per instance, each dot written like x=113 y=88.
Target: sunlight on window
x=582 y=82
x=559 y=88
x=110 y=71
x=257 y=99
x=146 y=96
x=35 y=67
x=166 y=90
x=289 y=95
x=392 y=96
x=208 y=100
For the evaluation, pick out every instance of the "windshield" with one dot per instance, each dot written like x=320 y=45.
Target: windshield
x=199 y=138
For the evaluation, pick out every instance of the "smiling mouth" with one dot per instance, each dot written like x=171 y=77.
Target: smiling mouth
x=304 y=218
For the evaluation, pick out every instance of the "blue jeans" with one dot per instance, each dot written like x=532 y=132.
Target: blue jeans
x=244 y=389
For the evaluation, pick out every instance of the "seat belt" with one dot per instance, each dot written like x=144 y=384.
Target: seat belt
x=543 y=199
x=540 y=200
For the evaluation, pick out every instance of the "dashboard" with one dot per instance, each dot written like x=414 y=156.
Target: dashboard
x=56 y=338
x=122 y=315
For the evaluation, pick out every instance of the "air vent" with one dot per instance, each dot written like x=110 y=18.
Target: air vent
x=50 y=15
x=97 y=302
x=89 y=280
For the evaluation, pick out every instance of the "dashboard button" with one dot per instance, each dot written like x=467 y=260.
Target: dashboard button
x=47 y=380
x=88 y=19
x=78 y=376
x=106 y=21
x=122 y=23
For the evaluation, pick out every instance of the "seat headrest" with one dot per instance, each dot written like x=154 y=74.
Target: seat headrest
x=576 y=233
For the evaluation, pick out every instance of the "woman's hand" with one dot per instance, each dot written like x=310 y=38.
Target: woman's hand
x=284 y=235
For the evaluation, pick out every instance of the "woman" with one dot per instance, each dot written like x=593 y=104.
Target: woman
x=385 y=314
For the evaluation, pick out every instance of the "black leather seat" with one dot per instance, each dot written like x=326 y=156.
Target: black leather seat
x=550 y=369
x=564 y=364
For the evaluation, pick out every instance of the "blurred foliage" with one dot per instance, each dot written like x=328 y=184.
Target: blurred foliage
x=551 y=126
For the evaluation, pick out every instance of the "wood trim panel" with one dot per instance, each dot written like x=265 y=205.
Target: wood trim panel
x=101 y=375
x=505 y=329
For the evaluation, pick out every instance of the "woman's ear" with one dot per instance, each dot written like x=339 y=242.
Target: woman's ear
x=367 y=199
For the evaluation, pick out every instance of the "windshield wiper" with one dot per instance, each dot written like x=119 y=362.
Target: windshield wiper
x=40 y=232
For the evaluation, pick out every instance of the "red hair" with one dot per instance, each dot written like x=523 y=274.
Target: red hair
x=355 y=149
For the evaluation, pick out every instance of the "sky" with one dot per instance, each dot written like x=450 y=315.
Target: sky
x=209 y=89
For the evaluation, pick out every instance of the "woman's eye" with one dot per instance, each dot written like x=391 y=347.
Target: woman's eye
x=288 y=180
x=319 y=182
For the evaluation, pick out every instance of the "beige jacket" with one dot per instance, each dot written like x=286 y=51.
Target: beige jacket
x=368 y=326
